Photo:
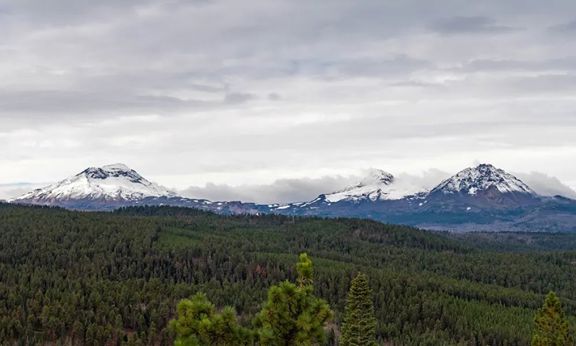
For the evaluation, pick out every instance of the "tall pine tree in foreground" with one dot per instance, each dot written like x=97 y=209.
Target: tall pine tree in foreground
x=198 y=323
x=359 y=325
x=292 y=315
x=550 y=324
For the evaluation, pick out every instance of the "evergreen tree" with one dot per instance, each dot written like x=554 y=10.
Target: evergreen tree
x=305 y=271
x=359 y=325
x=292 y=314
x=198 y=323
x=550 y=324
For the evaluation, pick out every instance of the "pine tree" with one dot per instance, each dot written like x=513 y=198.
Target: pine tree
x=198 y=323
x=550 y=324
x=292 y=314
x=359 y=325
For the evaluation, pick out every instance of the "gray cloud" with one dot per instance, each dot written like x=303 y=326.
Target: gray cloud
x=382 y=67
x=567 y=28
x=467 y=25
x=60 y=102
x=504 y=65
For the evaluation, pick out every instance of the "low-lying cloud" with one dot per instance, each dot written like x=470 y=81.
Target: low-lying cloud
x=306 y=189
x=546 y=185
x=280 y=191
x=9 y=191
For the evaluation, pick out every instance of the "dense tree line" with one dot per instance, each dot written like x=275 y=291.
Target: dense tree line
x=116 y=278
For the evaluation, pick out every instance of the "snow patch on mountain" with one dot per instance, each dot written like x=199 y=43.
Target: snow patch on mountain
x=111 y=182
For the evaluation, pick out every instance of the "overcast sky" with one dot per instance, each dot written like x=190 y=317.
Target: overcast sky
x=250 y=92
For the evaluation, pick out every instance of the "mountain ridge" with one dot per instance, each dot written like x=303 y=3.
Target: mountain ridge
x=476 y=197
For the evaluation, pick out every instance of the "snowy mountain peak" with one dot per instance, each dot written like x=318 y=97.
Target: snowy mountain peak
x=482 y=178
x=376 y=185
x=115 y=182
x=377 y=176
x=117 y=166
x=113 y=171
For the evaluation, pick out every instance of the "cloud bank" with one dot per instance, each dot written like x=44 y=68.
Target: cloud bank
x=306 y=189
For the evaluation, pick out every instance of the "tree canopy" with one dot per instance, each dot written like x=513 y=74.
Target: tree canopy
x=116 y=278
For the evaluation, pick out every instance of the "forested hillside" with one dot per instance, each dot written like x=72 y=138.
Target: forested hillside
x=115 y=278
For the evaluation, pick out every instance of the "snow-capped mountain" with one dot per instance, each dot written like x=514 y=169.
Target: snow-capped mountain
x=115 y=186
x=377 y=185
x=477 y=198
x=482 y=187
x=108 y=183
x=482 y=178
x=482 y=197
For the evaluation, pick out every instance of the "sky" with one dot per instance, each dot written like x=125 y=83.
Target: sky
x=284 y=98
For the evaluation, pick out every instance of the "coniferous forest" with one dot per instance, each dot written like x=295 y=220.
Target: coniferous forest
x=74 y=278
